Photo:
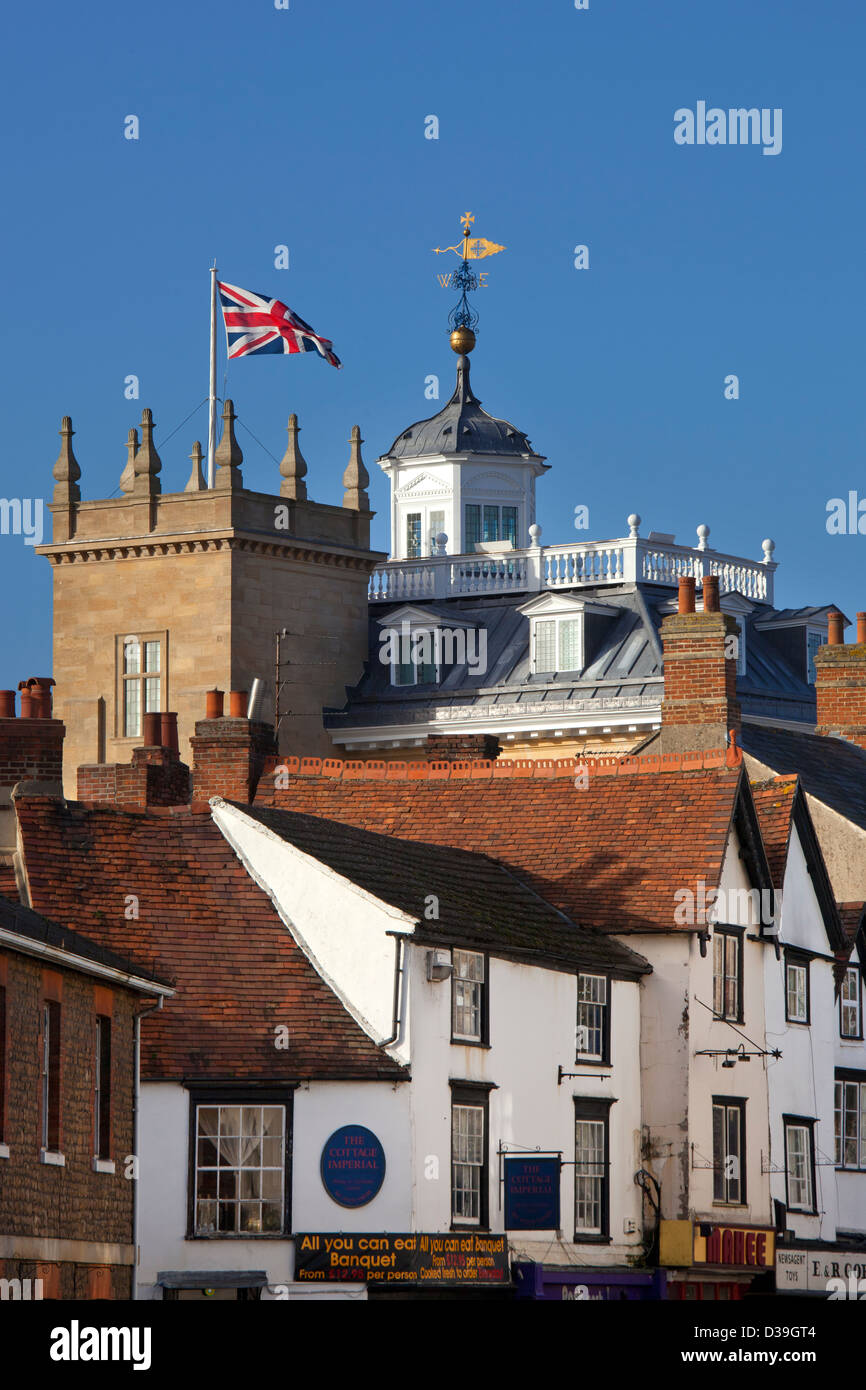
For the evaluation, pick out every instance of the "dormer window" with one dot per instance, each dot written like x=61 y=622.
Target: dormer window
x=558 y=626
x=556 y=645
x=419 y=648
x=814 y=640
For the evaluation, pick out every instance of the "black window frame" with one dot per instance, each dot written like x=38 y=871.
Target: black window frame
x=477 y=1094
x=584 y=1058
x=802 y=960
x=808 y=1123
x=730 y=1103
x=243 y=1094
x=484 y=1040
x=594 y=1108
x=739 y=933
x=858 y=1036
x=102 y=1088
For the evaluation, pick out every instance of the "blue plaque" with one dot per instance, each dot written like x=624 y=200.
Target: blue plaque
x=532 y=1193
x=353 y=1166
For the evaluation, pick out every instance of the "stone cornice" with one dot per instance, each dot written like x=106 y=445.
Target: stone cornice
x=141 y=547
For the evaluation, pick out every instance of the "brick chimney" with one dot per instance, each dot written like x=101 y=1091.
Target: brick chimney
x=840 y=682
x=453 y=748
x=700 y=705
x=155 y=776
x=229 y=751
x=31 y=753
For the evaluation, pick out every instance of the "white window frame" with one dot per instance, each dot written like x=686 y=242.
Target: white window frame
x=558 y=620
x=590 y=1141
x=802 y=1158
x=723 y=980
x=731 y=1183
x=798 y=968
x=856 y=1004
x=844 y=1090
x=472 y=985
x=238 y=1168
x=592 y=1015
x=467 y=1161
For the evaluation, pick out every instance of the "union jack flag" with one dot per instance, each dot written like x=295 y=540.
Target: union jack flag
x=255 y=324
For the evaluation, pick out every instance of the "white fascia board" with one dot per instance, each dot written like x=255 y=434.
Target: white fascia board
x=316 y=903
x=60 y=956
x=410 y=734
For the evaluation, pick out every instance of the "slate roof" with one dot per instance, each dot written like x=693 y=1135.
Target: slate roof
x=610 y=855
x=480 y=903
x=30 y=926
x=830 y=769
x=623 y=666
x=238 y=970
x=461 y=426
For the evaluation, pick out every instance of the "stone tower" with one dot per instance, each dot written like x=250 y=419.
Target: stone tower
x=162 y=596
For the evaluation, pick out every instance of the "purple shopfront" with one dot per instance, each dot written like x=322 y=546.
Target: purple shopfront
x=565 y=1283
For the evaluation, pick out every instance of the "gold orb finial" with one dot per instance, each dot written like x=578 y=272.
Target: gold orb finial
x=462 y=340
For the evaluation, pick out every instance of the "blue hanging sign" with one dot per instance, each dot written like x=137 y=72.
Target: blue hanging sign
x=353 y=1166
x=532 y=1193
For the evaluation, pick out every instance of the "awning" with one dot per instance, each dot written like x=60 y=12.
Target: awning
x=212 y=1279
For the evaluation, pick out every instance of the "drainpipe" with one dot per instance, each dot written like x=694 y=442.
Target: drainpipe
x=398 y=978
x=152 y=1008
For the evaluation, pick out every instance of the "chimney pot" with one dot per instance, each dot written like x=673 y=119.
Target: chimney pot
x=27 y=701
x=835 y=631
x=41 y=689
x=238 y=704
x=7 y=704
x=214 y=704
x=861 y=629
x=686 y=594
x=711 y=593
x=152 y=731
x=168 y=732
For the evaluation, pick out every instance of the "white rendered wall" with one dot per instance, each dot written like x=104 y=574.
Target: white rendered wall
x=801 y=1081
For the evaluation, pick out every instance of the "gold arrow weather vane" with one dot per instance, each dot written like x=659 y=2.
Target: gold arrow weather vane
x=472 y=248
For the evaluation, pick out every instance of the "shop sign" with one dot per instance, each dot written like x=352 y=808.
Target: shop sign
x=413 y=1258
x=821 y=1271
x=532 y=1194
x=352 y=1166
x=744 y=1247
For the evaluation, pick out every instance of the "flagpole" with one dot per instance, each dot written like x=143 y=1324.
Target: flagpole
x=211 y=428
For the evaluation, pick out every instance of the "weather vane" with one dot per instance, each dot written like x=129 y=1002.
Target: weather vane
x=463 y=320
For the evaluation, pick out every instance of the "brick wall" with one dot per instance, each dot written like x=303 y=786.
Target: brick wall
x=30 y=749
x=700 y=702
x=73 y=1203
x=840 y=688
x=154 y=777
x=455 y=748
x=229 y=755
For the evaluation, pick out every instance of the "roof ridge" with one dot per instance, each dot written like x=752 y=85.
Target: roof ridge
x=393 y=771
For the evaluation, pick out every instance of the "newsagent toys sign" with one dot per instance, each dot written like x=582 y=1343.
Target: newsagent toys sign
x=413 y=1258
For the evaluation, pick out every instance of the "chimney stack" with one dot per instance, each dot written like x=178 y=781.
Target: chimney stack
x=229 y=752
x=700 y=705
x=840 y=682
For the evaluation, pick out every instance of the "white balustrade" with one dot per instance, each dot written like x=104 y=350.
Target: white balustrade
x=596 y=563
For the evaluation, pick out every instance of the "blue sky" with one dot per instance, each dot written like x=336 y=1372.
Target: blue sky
x=305 y=127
